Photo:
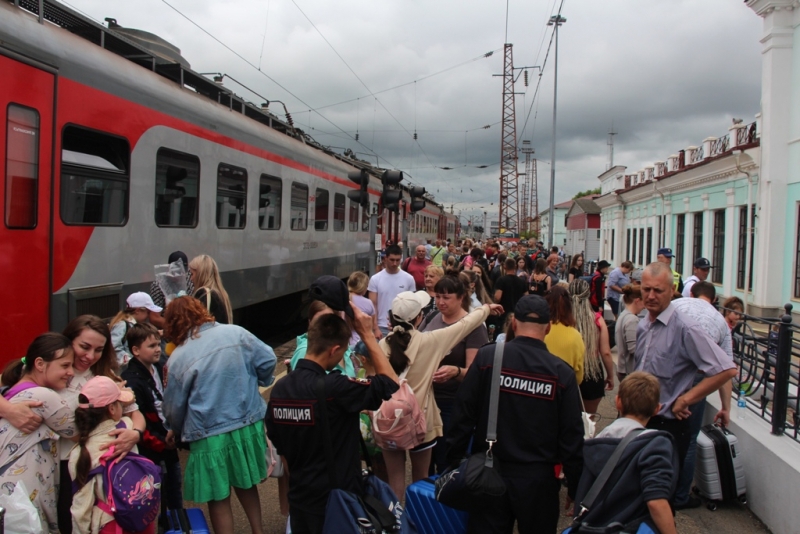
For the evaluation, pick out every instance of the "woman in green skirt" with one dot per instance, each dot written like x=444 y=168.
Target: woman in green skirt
x=212 y=403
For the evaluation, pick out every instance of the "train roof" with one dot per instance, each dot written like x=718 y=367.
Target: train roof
x=154 y=54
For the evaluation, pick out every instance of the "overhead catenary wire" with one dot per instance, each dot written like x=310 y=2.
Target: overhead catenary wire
x=270 y=78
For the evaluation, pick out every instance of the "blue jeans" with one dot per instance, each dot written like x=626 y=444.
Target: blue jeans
x=687 y=472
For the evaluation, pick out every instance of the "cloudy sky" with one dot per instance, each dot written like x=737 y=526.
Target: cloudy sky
x=668 y=73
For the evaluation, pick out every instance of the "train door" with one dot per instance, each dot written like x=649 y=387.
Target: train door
x=26 y=146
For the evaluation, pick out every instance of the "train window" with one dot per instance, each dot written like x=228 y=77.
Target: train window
x=338 y=212
x=22 y=167
x=353 y=216
x=299 y=207
x=365 y=219
x=269 y=203
x=231 y=196
x=95 y=177
x=177 y=187
x=321 y=209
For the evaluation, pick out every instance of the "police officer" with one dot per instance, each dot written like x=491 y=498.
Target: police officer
x=538 y=427
x=293 y=415
x=665 y=256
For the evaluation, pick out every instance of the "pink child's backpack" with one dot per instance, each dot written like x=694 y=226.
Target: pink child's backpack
x=399 y=424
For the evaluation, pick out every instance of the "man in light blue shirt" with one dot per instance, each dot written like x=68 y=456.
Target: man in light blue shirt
x=614 y=284
x=674 y=348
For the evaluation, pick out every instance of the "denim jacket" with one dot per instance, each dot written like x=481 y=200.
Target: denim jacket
x=213 y=379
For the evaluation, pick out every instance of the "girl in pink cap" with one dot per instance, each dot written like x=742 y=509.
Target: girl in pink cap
x=99 y=410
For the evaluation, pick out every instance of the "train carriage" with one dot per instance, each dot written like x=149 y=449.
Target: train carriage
x=116 y=155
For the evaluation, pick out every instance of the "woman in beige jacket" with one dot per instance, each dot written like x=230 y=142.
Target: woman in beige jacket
x=421 y=353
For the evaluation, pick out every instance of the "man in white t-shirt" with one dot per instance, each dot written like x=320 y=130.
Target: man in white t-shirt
x=386 y=285
x=699 y=274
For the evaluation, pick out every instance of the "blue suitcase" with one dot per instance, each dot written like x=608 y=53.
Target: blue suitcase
x=429 y=515
x=187 y=521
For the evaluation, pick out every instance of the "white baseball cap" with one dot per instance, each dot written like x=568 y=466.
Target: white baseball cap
x=141 y=299
x=407 y=305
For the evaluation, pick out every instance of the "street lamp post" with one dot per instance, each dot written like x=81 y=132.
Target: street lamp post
x=555 y=20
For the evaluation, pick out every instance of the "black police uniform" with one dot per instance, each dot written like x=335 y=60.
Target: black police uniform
x=293 y=419
x=538 y=426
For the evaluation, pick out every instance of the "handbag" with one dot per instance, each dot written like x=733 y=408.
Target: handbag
x=376 y=510
x=589 y=421
x=477 y=479
x=579 y=526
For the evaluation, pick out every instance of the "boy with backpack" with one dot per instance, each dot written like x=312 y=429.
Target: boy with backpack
x=645 y=475
x=144 y=375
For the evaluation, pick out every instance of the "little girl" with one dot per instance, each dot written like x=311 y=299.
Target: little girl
x=98 y=413
x=138 y=308
x=32 y=457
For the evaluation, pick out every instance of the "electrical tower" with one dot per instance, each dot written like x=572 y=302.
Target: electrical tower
x=535 y=225
x=610 y=143
x=524 y=204
x=509 y=200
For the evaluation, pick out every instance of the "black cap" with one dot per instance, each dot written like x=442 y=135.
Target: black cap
x=178 y=255
x=532 y=304
x=602 y=264
x=333 y=292
x=703 y=263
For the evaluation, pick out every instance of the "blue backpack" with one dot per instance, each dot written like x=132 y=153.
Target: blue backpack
x=133 y=487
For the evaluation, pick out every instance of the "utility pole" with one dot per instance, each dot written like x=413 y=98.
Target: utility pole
x=610 y=143
x=555 y=20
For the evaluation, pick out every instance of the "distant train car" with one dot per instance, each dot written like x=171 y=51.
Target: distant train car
x=116 y=155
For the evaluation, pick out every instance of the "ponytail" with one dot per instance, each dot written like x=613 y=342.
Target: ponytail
x=86 y=420
x=46 y=347
x=398 y=341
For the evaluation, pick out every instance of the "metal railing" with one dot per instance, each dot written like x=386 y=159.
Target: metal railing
x=696 y=156
x=767 y=354
x=720 y=146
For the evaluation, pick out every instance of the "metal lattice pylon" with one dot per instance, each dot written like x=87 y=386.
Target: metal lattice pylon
x=509 y=201
x=535 y=225
x=525 y=217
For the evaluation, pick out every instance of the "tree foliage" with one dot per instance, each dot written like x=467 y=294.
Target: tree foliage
x=595 y=191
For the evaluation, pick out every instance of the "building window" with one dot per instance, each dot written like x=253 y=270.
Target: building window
x=321 y=209
x=649 y=248
x=628 y=245
x=177 y=187
x=95 y=177
x=641 y=246
x=353 y=216
x=612 y=245
x=680 y=237
x=299 y=206
x=269 y=202
x=718 y=254
x=22 y=167
x=338 y=212
x=231 y=196
x=697 y=241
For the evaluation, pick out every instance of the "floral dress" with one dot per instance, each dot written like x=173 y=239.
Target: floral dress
x=33 y=458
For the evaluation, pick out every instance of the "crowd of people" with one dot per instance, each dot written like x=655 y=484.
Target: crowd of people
x=157 y=378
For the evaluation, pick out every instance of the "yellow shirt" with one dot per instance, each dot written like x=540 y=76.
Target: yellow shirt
x=566 y=343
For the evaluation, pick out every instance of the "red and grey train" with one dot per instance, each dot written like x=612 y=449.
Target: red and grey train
x=116 y=153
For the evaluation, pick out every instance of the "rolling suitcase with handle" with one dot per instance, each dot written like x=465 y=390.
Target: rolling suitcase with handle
x=719 y=467
x=429 y=515
x=187 y=521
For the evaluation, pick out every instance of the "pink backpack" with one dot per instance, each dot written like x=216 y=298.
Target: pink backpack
x=399 y=424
